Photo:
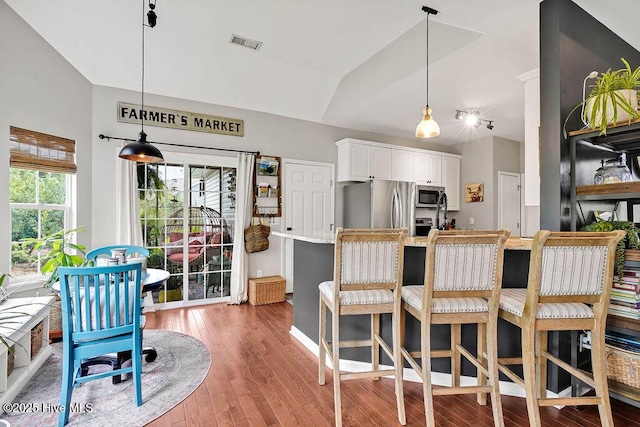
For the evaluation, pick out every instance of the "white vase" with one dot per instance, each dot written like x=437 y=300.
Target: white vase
x=629 y=94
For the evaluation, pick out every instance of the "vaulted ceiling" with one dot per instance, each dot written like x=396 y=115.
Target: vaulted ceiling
x=358 y=64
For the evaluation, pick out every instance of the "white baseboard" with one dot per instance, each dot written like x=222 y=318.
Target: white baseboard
x=437 y=378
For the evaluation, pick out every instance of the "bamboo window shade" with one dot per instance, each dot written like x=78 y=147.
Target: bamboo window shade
x=40 y=151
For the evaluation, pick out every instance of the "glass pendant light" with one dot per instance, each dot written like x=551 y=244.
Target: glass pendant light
x=427 y=128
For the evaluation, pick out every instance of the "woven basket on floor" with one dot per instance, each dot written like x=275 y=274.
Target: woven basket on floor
x=266 y=290
x=623 y=366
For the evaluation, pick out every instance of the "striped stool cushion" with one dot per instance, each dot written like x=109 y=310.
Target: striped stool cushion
x=412 y=295
x=375 y=296
x=512 y=301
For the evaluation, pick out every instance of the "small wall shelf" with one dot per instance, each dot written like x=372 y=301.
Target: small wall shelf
x=267 y=189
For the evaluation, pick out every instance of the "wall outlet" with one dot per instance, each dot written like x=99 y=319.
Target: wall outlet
x=472 y=221
x=259 y=273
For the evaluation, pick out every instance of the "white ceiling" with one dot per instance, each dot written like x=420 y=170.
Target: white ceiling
x=358 y=64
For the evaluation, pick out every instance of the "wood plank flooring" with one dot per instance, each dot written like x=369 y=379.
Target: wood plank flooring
x=261 y=376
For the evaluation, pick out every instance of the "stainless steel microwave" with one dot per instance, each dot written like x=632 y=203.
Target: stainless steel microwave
x=427 y=196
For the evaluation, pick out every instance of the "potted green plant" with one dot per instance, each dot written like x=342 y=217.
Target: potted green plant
x=630 y=241
x=59 y=250
x=613 y=99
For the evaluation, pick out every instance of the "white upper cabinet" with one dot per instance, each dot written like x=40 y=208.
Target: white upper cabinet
x=361 y=162
x=379 y=164
x=451 y=181
x=428 y=169
x=402 y=165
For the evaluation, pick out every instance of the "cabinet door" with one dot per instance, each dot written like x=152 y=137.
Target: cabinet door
x=380 y=166
x=353 y=162
x=451 y=181
x=402 y=165
x=434 y=165
x=428 y=169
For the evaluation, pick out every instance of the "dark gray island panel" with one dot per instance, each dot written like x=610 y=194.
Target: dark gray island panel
x=313 y=264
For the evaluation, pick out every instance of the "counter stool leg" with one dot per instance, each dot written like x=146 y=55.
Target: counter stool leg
x=375 y=345
x=322 y=354
x=600 y=375
x=456 y=341
x=425 y=348
x=398 y=364
x=335 y=348
x=491 y=350
x=482 y=358
x=529 y=371
x=541 y=368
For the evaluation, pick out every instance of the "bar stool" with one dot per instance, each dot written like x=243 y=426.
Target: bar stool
x=570 y=276
x=368 y=269
x=463 y=276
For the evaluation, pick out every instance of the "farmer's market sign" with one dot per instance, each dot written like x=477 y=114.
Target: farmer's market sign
x=162 y=117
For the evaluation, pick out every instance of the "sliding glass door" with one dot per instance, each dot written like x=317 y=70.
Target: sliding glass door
x=187 y=213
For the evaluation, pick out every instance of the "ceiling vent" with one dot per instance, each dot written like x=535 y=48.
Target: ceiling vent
x=243 y=41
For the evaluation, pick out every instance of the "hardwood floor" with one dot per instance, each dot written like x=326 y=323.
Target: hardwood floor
x=261 y=376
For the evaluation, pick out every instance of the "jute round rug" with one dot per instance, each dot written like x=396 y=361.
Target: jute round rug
x=182 y=364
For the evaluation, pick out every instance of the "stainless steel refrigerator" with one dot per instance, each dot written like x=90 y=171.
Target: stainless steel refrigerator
x=380 y=204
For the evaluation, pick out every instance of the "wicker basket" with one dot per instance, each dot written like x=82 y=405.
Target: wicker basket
x=36 y=339
x=266 y=290
x=623 y=366
x=11 y=359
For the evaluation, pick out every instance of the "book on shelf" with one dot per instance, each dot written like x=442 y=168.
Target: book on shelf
x=626 y=285
x=622 y=340
x=622 y=311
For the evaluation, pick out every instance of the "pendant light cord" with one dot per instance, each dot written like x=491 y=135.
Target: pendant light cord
x=427 y=58
x=142 y=114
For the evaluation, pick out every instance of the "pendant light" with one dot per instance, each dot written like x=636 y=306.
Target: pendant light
x=427 y=128
x=141 y=150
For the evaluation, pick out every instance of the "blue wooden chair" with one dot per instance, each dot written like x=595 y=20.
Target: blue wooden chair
x=106 y=250
x=115 y=360
x=101 y=313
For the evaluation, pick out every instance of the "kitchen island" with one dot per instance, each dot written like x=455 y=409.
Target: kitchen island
x=313 y=264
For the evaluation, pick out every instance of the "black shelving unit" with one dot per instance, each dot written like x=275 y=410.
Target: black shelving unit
x=619 y=139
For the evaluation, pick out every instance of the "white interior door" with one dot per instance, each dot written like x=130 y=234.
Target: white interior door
x=309 y=207
x=509 y=202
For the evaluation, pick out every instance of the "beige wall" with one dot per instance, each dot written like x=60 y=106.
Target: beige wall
x=267 y=133
x=482 y=159
x=41 y=91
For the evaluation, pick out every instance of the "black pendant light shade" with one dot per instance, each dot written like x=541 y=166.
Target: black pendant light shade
x=141 y=151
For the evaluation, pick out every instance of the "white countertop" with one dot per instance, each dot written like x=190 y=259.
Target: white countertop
x=330 y=237
x=513 y=243
x=317 y=237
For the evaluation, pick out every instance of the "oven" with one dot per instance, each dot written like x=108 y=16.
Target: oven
x=427 y=196
x=423 y=226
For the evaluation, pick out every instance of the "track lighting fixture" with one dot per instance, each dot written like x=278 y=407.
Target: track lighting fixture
x=473 y=119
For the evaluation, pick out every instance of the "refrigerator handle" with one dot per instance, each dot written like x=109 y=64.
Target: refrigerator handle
x=395 y=208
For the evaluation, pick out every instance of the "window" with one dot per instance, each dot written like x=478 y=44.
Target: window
x=187 y=213
x=40 y=178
